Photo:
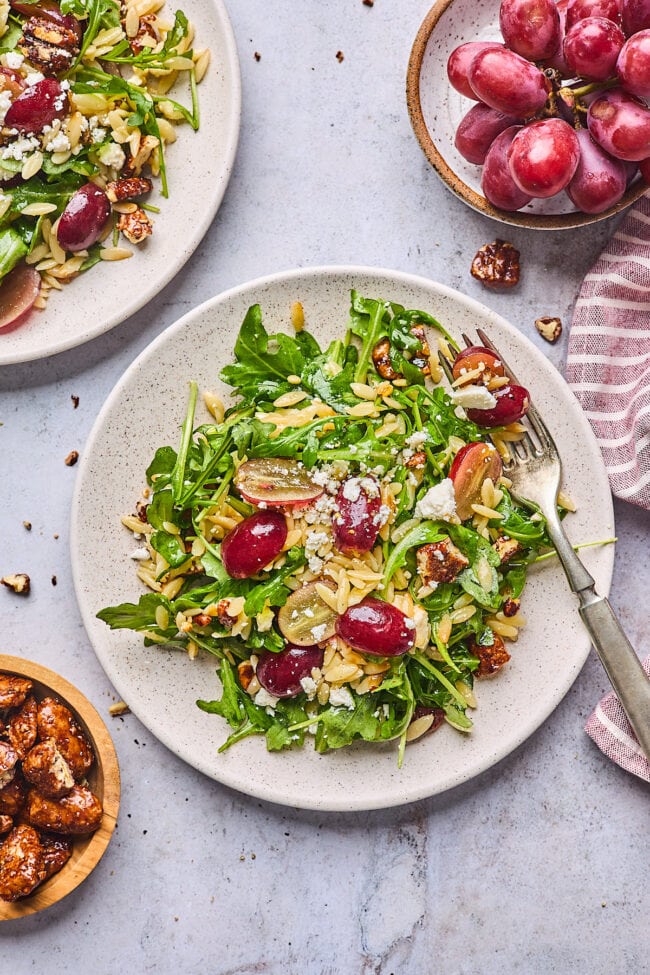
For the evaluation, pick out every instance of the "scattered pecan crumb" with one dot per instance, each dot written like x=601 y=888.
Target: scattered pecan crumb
x=54 y=580
x=27 y=525
x=368 y=3
x=511 y=607
x=18 y=581
x=72 y=458
x=55 y=535
x=75 y=402
x=120 y=707
x=549 y=328
x=340 y=56
x=257 y=56
x=496 y=265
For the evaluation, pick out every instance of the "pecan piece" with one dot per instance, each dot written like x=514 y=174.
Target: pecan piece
x=511 y=607
x=507 y=548
x=22 y=727
x=50 y=46
x=8 y=759
x=147 y=33
x=245 y=673
x=418 y=459
x=135 y=226
x=491 y=659
x=129 y=188
x=6 y=822
x=496 y=265
x=56 y=721
x=549 y=328
x=21 y=863
x=47 y=770
x=381 y=360
x=224 y=617
x=19 y=582
x=440 y=562
x=421 y=358
x=76 y=814
x=12 y=797
x=57 y=850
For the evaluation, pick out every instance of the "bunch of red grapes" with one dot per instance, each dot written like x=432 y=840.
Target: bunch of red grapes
x=562 y=104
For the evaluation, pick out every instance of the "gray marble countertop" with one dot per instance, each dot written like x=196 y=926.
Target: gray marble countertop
x=537 y=866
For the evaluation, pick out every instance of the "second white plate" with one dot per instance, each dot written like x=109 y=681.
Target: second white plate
x=162 y=686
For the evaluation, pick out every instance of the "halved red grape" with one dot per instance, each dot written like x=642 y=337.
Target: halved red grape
x=496 y=181
x=305 y=618
x=356 y=518
x=543 y=156
x=276 y=481
x=592 y=46
x=599 y=181
x=376 y=628
x=37 y=106
x=459 y=64
x=280 y=673
x=84 y=218
x=512 y=403
x=620 y=124
x=477 y=357
x=531 y=28
x=633 y=65
x=477 y=131
x=472 y=465
x=18 y=292
x=253 y=543
x=507 y=82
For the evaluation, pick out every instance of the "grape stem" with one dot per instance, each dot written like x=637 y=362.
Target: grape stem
x=583 y=90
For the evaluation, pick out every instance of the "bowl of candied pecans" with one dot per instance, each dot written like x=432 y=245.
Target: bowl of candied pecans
x=59 y=787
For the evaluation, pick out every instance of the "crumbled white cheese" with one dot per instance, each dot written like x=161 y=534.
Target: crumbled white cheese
x=20 y=148
x=417 y=438
x=340 y=697
x=33 y=78
x=474 y=398
x=382 y=516
x=352 y=489
x=60 y=143
x=309 y=686
x=13 y=60
x=139 y=554
x=409 y=623
x=439 y=503
x=318 y=632
x=265 y=700
x=112 y=155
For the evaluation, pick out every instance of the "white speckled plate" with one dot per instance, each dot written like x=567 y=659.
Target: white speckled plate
x=145 y=411
x=436 y=109
x=198 y=168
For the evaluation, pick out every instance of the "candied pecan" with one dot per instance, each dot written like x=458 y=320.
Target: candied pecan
x=146 y=31
x=21 y=863
x=421 y=358
x=135 y=226
x=47 y=770
x=128 y=189
x=134 y=164
x=18 y=581
x=76 y=814
x=511 y=607
x=13 y=691
x=223 y=615
x=507 y=548
x=549 y=328
x=245 y=673
x=491 y=659
x=22 y=726
x=202 y=619
x=496 y=265
x=56 y=721
x=57 y=850
x=50 y=46
x=8 y=759
x=12 y=797
x=6 y=822
x=381 y=360
x=418 y=459
x=141 y=511
x=440 y=562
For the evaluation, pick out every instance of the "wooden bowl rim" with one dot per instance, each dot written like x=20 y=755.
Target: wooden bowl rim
x=536 y=221
x=77 y=869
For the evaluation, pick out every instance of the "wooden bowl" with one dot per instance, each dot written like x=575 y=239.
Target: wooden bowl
x=103 y=779
x=435 y=109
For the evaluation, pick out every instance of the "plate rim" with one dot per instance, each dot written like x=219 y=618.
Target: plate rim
x=230 y=57
x=453 y=182
x=268 y=792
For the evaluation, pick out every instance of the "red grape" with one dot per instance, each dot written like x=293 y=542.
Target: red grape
x=376 y=628
x=280 y=673
x=253 y=543
x=636 y=15
x=633 y=65
x=507 y=82
x=599 y=181
x=478 y=130
x=531 y=28
x=644 y=169
x=18 y=292
x=276 y=481
x=460 y=61
x=620 y=124
x=472 y=465
x=356 y=519
x=498 y=185
x=84 y=218
x=37 y=106
x=477 y=357
x=512 y=403
x=581 y=9
x=557 y=61
x=543 y=157
x=592 y=46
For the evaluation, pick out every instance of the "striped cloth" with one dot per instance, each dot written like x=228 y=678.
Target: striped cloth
x=608 y=369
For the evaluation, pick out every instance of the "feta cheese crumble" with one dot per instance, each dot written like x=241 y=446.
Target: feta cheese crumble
x=439 y=503
x=474 y=398
x=341 y=697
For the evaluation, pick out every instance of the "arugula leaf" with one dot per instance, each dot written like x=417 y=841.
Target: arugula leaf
x=338 y=727
x=170 y=547
x=422 y=534
x=274 y=592
x=135 y=616
x=12 y=250
x=261 y=357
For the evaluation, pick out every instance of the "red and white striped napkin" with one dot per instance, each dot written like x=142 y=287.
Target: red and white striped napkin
x=608 y=369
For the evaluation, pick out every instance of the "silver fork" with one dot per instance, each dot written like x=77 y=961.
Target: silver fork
x=535 y=470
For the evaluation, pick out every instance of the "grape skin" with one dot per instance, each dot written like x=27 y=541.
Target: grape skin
x=599 y=181
x=498 y=185
x=581 y=9
x=460 y=61
x=507 y=82
x=543 y=157
x=478 y=130
x=530 y=28
x=636 y=15
x=592 y=46
x=620 y=124
x=633 y=65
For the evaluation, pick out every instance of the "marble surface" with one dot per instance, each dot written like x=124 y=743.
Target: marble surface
x=537 y=866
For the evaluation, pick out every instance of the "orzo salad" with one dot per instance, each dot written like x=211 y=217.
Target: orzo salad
x=343 y=538
x=88 y=105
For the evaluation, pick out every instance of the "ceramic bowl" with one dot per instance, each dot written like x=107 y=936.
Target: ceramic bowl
x=436 y=109
x=103 y=780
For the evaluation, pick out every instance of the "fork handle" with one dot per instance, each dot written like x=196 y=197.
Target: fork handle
x=620 y=661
